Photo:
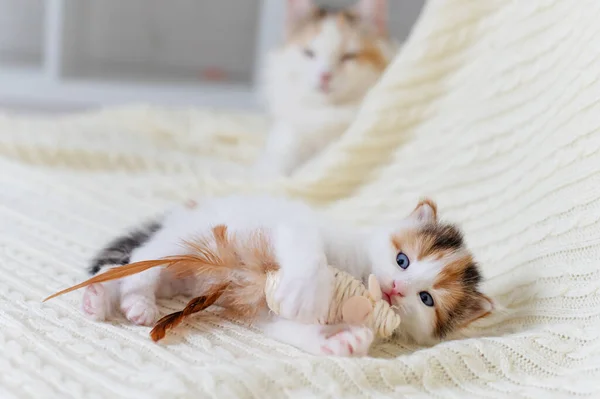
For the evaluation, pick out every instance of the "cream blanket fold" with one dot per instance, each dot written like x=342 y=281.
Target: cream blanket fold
x=492 y=108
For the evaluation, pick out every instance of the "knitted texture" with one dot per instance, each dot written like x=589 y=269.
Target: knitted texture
x=492 y=108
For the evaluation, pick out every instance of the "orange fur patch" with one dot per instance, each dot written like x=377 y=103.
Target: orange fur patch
x=452 y=272
x=345 y=20
x=371 y=54
x=460 y=301
x=407 y=242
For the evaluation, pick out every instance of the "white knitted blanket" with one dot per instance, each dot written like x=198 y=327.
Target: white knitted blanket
x=492 y=108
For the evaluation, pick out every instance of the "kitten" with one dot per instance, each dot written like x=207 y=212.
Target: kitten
x=423 y=267
x=315 y=83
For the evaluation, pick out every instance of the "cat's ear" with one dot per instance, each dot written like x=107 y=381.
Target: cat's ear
x=373 y=13
x=297 y=10
x=482 y=306
x=425 y=212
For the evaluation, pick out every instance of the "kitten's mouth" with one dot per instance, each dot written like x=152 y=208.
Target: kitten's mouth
x=386 y=298
x=325 y=88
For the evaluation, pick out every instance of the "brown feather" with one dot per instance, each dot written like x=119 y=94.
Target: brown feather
x=244 y=262
x=174 y=319
x=113 y=274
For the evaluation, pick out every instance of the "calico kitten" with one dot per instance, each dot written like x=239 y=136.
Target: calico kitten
x=423 y=267
x=315 y=83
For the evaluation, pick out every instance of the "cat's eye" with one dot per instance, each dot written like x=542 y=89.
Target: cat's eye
x=348 y=57
x=426 y=298
x=309 y=53
x=402 y=260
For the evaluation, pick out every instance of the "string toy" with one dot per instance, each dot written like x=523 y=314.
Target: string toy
x=242 y=276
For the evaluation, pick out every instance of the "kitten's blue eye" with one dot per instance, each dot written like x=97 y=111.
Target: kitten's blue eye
x=309 y=53
x=402 y=260
x=426 y=298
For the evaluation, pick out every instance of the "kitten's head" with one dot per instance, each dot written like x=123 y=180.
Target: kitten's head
x=426 y=271
x=335 y=55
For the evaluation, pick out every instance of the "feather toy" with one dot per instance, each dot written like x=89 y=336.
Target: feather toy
x=242 y=276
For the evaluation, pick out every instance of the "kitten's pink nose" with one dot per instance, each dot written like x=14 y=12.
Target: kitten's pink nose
x=398 y=289
x=325 y=78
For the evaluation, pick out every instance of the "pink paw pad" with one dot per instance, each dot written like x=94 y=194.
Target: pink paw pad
x=140 y=310
x=93 y=302
x=352 y=342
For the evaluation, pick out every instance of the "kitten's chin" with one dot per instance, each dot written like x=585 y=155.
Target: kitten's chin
x=331 y=96
x=320 y=99
x=335 y=94
x=325 y=90
x=322 y=94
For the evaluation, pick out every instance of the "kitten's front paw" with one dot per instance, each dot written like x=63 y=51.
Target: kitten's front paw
x=139 y=309
x=353 y=341
x=94 y=302
x=306 y=299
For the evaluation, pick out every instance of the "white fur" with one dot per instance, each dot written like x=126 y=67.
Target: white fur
x=304 y=241
x=305 y=118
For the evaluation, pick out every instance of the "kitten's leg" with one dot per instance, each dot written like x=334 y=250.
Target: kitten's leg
x=99 y=300
x=138 y=296
x=306 y=286
x=138 y=291
x=281 y=154
x=336 y=340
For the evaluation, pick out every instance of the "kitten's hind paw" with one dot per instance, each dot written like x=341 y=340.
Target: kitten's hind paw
x=94 y=303
x=353 y=341
x=139 y=309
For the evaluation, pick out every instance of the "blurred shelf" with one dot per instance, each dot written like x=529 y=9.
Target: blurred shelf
x=154 y=41
x=140 y=73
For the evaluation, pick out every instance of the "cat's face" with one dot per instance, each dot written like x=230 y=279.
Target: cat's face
x=335 y=56
x=428 y=275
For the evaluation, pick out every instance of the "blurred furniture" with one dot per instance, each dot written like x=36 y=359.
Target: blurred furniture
x=84 y=52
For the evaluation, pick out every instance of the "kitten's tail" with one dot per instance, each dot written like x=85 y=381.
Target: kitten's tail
x=222 y=258
x=118 y=252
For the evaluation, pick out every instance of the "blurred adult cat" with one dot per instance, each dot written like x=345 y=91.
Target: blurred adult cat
x=315 y=82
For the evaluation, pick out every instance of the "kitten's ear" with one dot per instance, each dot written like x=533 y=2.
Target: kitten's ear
x=297 y=10
x=374 y=13
x=482 y=307
x=425 y=212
